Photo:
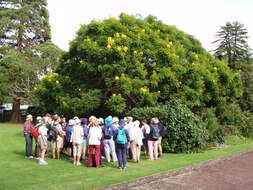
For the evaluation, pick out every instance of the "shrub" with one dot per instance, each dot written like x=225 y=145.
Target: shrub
x=215 y=130
x=236 y=121
x=187 y=132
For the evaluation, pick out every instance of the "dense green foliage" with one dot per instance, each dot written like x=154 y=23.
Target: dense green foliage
x=215 y=129
x=17 y=172
x=187 y=133
x=132 y=62
x=235 y=121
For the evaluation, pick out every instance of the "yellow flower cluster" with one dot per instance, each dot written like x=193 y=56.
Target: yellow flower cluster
x=169 y=44
x=110 y=41
x=144 y=89
x=123 y=36
x=123 y=48
x=116 y=77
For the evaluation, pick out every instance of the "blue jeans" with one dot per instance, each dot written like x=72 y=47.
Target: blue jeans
x=109 y=146
x=121 y=150
x=28 y=145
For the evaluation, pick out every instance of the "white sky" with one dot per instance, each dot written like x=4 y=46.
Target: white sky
x=200 y=18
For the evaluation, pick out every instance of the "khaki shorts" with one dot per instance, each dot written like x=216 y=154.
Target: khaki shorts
x=58 y=143
x=41 y=144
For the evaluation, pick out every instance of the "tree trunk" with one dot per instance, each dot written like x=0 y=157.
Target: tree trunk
x=15 y=114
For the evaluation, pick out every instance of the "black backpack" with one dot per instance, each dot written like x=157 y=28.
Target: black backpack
x=53 y=133
x=163 y=130
x=155 y=132
x=107 y=133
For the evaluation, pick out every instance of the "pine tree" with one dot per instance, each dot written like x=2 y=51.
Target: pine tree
x=23 y=25
x=232 y=43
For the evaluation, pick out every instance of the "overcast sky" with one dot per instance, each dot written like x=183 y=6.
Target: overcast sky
x=200 y=18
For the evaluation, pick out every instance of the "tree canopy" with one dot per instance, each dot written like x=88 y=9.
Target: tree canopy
x=232 y=45
x=25 y=50
x=115 y=65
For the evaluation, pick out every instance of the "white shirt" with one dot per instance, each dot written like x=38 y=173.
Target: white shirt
x=95 y=135
x=77 y=134
x=135 y=134
x=43 y=130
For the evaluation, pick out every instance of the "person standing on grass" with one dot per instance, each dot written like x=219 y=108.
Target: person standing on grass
x=28 y=136
x=109 y=145
x=84 y=124
x=57 y=141
x=121 y=139
x=42 y=143
x=153 y=137
x=136 y=136
x=38 y=123
x=145 y=130
x=69 y=145
x=77 y=140
x=94 y=140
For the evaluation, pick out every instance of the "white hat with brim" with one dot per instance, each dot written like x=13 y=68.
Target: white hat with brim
x=28 y=117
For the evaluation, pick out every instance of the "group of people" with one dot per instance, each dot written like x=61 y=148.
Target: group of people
x=94 y=138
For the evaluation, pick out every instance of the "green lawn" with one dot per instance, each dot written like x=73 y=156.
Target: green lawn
x=16 y=172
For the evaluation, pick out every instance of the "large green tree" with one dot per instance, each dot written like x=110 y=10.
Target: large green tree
x=23 y=26
x=118 y=64
x=232 y=45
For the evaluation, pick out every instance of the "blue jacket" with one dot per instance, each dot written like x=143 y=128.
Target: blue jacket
x=69 y=130
x=111 y=131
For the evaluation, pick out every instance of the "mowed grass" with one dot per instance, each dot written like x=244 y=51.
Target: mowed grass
x=16 y=172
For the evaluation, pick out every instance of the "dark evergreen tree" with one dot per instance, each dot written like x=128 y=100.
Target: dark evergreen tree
x=232 y=43
x=23 y=25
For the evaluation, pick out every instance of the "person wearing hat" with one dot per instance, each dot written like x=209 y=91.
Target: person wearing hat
x=94 y=141
x=84 y=123
x=121 y=138
x=38 y=123
x=28 y=136
x=109 y=145
x=57 y=144
x=77 y=140
x=42 y=142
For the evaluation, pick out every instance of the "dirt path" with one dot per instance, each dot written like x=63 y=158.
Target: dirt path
x=229 y=173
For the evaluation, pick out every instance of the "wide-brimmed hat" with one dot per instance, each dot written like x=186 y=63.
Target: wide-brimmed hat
x=100 y=120
x=77 y=121
x=72 y=122
x=28 y=117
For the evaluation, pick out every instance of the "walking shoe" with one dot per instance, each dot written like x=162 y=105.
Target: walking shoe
x=120 y=168
x=125 y=168
x=30 y=157
x=42 y=162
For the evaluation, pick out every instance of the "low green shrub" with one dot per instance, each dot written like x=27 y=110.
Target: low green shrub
x=236 y=121
x=187 y=133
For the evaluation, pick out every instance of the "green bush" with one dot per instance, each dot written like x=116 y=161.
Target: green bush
x=187 y=132
x=215 y=130
x=236 y=121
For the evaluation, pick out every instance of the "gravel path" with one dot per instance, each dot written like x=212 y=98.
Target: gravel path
x=233 y=172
